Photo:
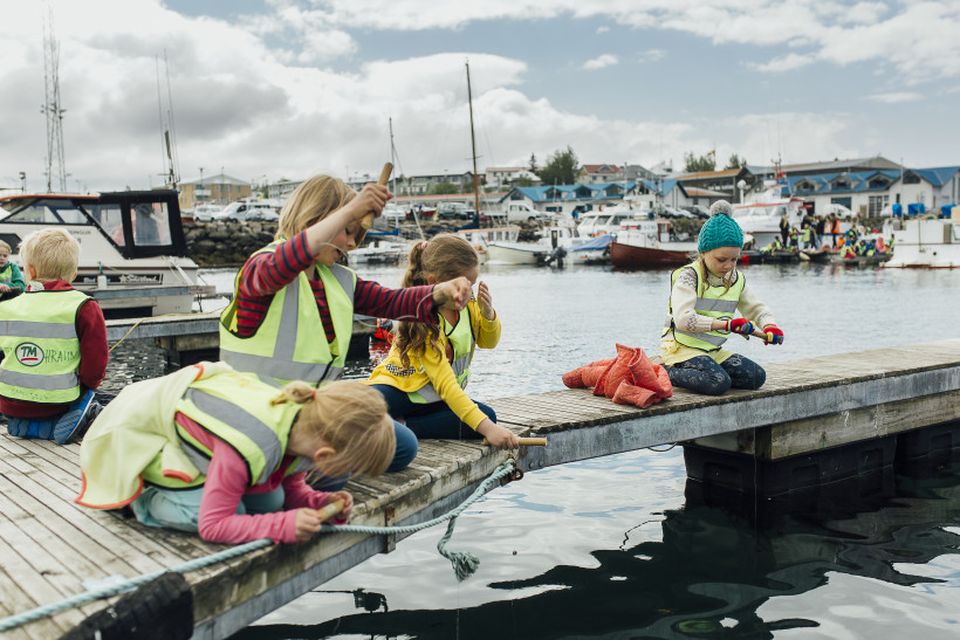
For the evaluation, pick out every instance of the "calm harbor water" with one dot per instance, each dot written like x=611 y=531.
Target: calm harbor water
x=624 y=546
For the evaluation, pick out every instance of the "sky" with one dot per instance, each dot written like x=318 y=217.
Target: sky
x=263 y=90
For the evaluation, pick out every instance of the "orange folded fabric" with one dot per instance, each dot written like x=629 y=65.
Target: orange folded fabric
x=630 y=378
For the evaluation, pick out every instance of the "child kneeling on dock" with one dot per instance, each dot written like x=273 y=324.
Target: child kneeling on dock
x=54 y=343
x=424 y=375
x=704 y=297
x=204 y=448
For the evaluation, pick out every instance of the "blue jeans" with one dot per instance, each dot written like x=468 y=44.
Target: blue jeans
x=432 y=420
x=180 y=509
x=702 y=375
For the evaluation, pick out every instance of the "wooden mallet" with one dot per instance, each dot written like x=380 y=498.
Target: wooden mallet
x=328 y=511
x=367 y=221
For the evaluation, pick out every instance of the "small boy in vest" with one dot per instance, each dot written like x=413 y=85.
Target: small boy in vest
x=704 y=299
x=54 y=342
x=11 y=280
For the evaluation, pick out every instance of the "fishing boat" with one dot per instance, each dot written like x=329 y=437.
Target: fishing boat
x=760 y=216
x=778 y=256
x=933 y=244
x=601 y=222
x=595 y=252
x=638 y=246
x=133 y=254
x=552 y=247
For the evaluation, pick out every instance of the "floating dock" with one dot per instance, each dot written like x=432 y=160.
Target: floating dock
x=50 y=547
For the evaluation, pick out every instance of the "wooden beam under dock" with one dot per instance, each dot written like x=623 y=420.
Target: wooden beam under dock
x=49 y=546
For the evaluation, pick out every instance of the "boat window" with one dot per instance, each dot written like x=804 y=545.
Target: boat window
x=108 y=218
x=150 y=227
x=36 y=212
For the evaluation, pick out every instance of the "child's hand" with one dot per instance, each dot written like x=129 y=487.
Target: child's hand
x=498 y=436
x=371 y=199
x=4 y=288
x=452 y=294
x=741 y=326
x=485 y=301
x=774 y=334
x=347 y=500
x=307 y=523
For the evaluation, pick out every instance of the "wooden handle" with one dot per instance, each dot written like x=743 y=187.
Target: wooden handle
x=528 y=442
x=367 y=221
x=328 y=511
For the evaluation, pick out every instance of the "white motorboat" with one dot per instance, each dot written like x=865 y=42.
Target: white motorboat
x=931 y=244
x=552 y=246
x=601 y=222
x=380 y=252
x=760 y=216
x=133 y=254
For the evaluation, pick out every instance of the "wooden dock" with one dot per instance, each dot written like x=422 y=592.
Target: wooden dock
x=49 y=546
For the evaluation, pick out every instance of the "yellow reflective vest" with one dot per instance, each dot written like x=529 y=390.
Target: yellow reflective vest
x=38 y=336
x=289 y=344
x=712 y=301
x=460 y=339
x=136 y=438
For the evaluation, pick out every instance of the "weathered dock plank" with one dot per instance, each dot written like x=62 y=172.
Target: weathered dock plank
x=867 y=393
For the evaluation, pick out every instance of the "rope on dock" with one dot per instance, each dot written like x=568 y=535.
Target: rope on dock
x=464 y=563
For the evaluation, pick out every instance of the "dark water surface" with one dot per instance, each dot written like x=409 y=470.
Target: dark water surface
x=626 y=547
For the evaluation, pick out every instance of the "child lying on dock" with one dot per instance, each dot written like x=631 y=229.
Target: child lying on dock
x=207 y=449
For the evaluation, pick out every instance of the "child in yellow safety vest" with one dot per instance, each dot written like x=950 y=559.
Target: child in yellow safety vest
x=211 y=450
x=424 y=375
x=704 y=298
x=11 y=279
x=54 y=343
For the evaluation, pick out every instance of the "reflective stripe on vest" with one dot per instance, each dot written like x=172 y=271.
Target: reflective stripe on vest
x=712 y=301
x=285 y=347
x=462 y=342
x=41 y=357
x=236 y=408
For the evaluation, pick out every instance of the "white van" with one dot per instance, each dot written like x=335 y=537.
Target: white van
x=521 y=212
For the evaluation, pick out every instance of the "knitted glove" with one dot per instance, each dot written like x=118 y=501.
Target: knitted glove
x=740 y=325
x=774 y=334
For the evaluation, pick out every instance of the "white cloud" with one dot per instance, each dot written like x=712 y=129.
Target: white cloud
x=603 y=29
x=785 y=63
x=651 y=55
x=896 y=97
x=320 y=46
x=601 y=61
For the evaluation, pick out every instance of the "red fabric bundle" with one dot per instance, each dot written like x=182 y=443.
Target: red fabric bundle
x=630 y=378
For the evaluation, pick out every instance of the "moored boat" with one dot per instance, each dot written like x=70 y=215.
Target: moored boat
x=933 y=244
x=638 y=246
x=133 y=253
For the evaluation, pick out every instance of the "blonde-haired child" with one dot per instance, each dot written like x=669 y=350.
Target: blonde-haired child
x=424 y=375
x=11 y=279
x=54 y=343
x=291 y=317
x=208 y=449
x=704 y=298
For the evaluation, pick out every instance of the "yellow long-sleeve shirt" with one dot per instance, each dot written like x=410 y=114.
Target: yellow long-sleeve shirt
x=431 y=366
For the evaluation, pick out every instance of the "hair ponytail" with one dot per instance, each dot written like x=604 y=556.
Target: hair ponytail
x=296 y=391
x=444 y=257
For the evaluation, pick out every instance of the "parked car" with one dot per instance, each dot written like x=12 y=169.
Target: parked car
x=698 y=210
x=206 y=212
x=244 y=211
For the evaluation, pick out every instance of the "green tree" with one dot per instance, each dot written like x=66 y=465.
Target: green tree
x=736 y=162
x=522 y=182
x=694 y=163
x=562 y=168
x=532 y=164
x=444 y=189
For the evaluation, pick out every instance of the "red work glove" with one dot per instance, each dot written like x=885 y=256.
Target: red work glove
x=774 y=334
x=741 y=326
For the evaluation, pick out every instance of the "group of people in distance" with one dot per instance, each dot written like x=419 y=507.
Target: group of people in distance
x=223 y=448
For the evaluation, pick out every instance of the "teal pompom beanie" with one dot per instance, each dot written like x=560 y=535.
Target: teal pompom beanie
x=721 y=230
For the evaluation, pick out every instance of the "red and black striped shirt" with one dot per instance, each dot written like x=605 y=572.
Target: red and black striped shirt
x=264 y=274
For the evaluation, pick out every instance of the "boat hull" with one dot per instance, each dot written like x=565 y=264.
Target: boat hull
x=625 y=256
x=507 y=254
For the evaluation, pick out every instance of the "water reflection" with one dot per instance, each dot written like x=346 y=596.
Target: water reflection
x=721 y=557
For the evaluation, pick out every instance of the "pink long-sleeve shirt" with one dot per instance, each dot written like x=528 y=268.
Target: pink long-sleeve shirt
x=226 y=483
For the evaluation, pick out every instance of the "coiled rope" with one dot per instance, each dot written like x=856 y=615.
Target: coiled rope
x=464 y=563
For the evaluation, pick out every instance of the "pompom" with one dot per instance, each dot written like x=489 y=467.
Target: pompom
x=721 y=206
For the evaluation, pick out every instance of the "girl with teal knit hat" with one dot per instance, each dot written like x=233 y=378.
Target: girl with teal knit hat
x=705 y=296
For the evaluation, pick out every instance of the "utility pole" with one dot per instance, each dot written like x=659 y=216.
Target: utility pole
x=56 y=167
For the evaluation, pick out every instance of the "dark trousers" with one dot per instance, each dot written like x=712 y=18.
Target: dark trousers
x=702 y=375
x=433 y=420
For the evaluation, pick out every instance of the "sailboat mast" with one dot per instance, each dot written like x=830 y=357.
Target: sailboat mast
x=393 y=157
x=473 y=146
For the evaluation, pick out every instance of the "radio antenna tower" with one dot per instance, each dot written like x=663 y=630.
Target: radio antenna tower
x=56 y=168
